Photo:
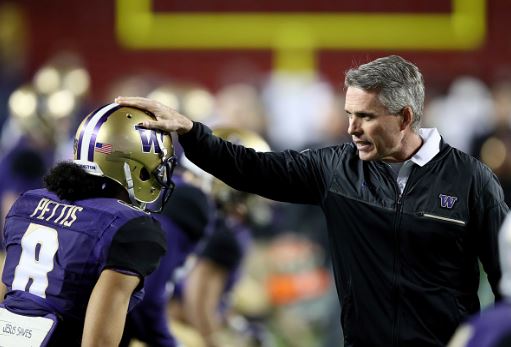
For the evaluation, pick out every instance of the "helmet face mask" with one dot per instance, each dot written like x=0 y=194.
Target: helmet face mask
x=111 y=143
x=163 y=175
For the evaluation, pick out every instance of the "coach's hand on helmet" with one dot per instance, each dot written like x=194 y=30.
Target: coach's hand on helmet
x=167 y=119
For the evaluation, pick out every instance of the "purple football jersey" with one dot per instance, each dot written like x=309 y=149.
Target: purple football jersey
x=56 y=251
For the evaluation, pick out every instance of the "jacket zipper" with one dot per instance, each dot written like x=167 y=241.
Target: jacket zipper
x=395 y=330
x=445 y=219
x=399 y=206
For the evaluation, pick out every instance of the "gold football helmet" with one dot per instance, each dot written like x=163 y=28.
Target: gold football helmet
x=110 y=142
x=246 y=138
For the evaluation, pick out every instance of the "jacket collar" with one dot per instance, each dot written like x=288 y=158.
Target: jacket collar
x=430 y=147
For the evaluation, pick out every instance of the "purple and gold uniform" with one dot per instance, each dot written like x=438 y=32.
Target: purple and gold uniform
x=56 y=251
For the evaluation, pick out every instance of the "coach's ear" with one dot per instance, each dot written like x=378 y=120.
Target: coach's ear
x=407 y=117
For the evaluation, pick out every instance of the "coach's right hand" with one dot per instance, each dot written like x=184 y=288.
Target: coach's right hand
x=167 y=118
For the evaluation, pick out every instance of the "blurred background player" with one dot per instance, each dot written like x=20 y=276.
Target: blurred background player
x=203 y=299
x=186 y=221
x=77 y=251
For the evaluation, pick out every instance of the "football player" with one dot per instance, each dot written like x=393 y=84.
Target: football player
x=186 y=220
x=202 y=300
x=77 y=251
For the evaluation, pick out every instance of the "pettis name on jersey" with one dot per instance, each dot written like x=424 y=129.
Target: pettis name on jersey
x=58 y=213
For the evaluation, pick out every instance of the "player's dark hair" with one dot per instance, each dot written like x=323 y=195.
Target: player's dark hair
x=70 y=182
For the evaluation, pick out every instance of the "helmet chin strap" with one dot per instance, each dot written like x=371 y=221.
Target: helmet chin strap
x=129 y=182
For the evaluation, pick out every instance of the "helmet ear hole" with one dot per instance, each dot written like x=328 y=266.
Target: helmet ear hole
x=144 y=174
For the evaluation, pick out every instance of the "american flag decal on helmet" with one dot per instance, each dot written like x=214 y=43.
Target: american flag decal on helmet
x=86 y=145
x=104 y=148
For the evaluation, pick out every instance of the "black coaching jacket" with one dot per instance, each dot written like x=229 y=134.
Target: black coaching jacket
x=405 y=264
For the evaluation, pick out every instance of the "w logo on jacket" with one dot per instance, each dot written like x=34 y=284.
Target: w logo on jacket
x=447 y=201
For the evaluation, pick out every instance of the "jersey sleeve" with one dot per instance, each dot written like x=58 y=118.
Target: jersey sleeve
x=223 y=249
x=190 y=209
x=137 y=247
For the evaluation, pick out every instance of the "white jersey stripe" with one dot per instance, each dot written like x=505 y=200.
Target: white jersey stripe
x=87 y=134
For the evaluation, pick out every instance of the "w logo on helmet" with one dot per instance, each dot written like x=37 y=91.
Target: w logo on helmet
x=149 y=139
x=447 y=201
